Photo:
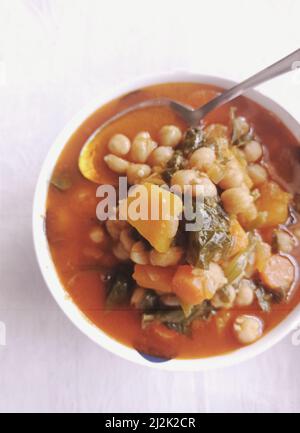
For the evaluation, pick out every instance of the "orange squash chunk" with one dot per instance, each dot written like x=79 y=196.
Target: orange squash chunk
x=166 y=208
x=239 y=238
x=273 y=200
x=194 y=285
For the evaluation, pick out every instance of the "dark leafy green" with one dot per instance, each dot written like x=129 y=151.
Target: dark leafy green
x=177 y=162
x=176 y=319
x=150 y=301
x=193 y=139
x=224 y=294
x=180 y=238
x=119 y=285
x=265 y=298
x=213 y=239
x=61 y=181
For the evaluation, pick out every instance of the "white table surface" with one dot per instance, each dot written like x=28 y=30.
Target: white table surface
x=54 y=55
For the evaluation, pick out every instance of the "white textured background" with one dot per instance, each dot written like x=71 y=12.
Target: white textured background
x=53 y=56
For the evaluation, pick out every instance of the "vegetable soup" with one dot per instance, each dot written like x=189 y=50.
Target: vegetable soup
x=155 y=284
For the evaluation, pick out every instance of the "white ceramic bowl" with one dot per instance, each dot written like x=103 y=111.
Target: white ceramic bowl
x=48 y=269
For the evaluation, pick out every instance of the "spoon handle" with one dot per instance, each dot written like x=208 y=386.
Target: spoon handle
x=288 y=63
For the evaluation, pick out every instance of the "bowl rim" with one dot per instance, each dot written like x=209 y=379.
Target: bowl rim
x=47 y=266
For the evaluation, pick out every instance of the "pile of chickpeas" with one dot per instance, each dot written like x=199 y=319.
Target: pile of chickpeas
x=139 y=158
x=136 y=159
x=247 y=328
x=143 y=156
x=126 y=247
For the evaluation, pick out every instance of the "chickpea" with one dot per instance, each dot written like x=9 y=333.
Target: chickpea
x=284 y=241
x=209 y=189
x=141 y=147
x=202 y=158
x=169 y=135
x=126 y=239
x=245 y=294
x=114 y=228
x=224 y=297
x=97 y=235
x=253 y=151
x=258 y=174
x=120 y=252
x=139 y=254
x=119 y=144
x=184 y=177
x=136 y=172
x=160 y=156
x=236 y=200
x=247 y=329
x=116 y=164
x=169 y=258
x=233 y=176
x=248 y=215
x=191 y=177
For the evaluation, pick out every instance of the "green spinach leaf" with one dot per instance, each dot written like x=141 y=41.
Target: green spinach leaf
x=61 y=181
x=119 y=285
x=177 y=162
x=177 y=320
x=213 y=238
x=241 y=131
x=193 y=139
x=150 y=301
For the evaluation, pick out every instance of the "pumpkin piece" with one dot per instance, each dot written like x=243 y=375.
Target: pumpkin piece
x=154 y=213
x=275 y=201
x=239 y=238
x=194 y=285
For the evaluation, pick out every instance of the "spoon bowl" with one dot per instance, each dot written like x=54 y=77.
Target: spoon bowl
x=190 y=115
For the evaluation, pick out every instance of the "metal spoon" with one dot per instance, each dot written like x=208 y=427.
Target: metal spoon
x=190 y=115
x=193 y=116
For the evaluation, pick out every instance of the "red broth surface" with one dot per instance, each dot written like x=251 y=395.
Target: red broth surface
x=71 y=215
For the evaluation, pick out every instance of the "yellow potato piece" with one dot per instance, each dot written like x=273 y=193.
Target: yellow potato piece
x=154 y=212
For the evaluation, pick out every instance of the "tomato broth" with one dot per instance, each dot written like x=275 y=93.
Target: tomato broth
x=71 y=215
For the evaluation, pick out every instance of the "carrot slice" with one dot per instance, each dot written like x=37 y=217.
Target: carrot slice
x=154 y=277
x=192 y=285
x=278 y=273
